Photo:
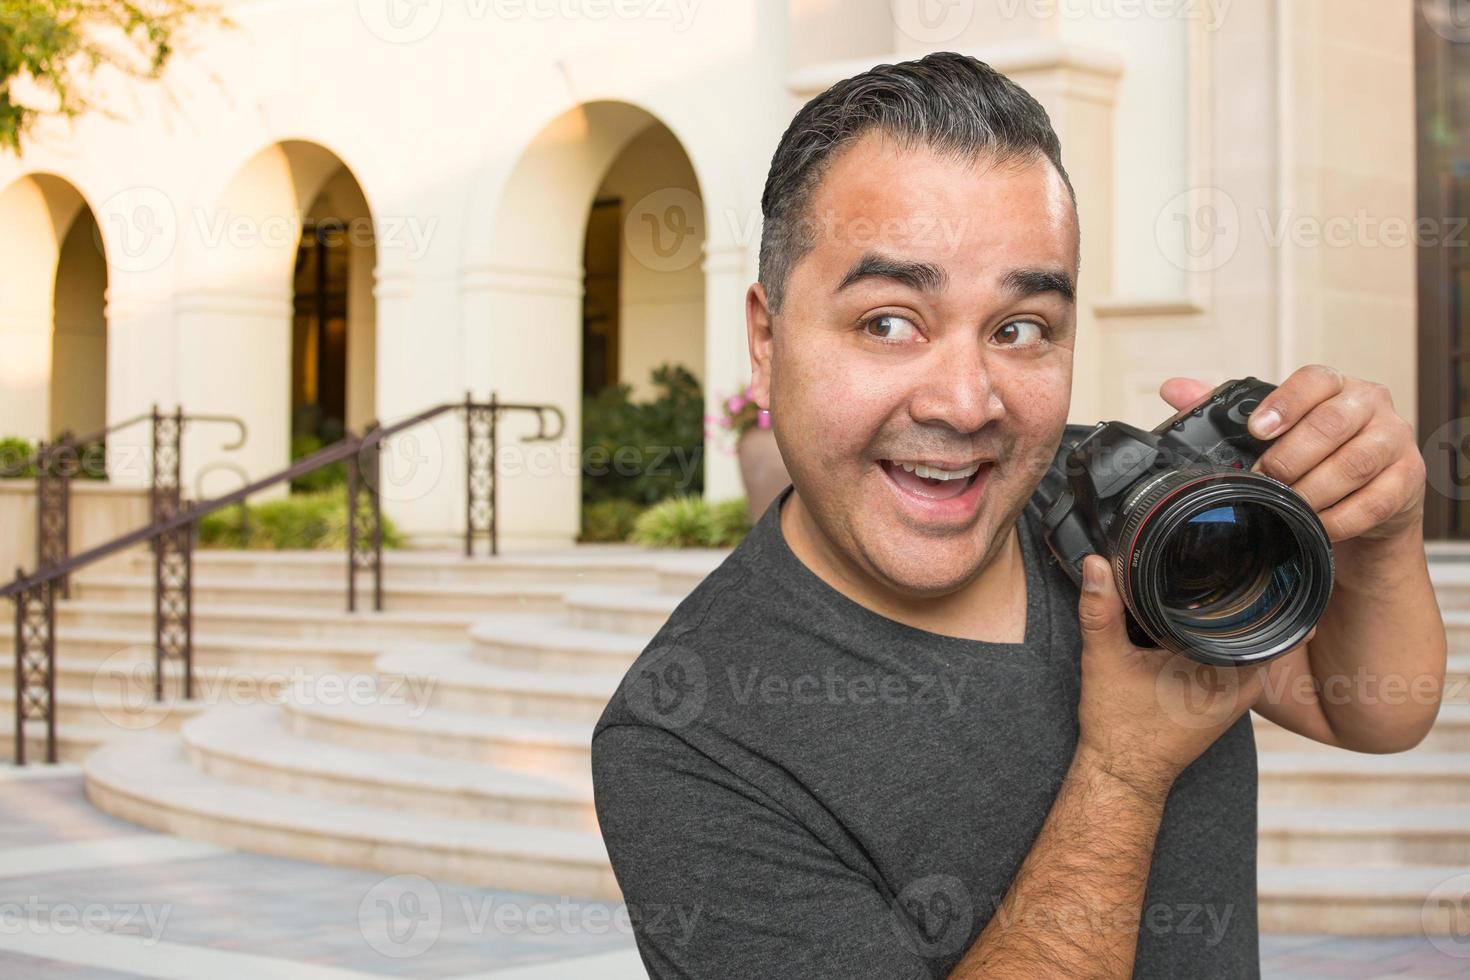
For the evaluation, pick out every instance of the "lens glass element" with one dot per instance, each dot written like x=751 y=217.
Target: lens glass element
x=1228 y=568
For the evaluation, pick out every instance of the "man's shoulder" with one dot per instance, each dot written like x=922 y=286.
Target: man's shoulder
x=667 y=685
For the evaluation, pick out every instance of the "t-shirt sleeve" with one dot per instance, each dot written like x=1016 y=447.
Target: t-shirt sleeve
x=719 y=882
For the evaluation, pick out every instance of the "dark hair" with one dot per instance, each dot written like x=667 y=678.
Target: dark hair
x=951 y=102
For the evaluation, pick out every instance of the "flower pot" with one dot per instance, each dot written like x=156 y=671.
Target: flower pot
x=761 y=469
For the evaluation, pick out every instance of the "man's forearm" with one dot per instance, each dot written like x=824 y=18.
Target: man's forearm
x=1378 y=657
x=1074 y=906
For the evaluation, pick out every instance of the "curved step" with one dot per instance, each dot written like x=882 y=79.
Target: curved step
x=332 y=595
x=267 y=621
x=619 y=609
x=556 y=749
x=679 y=575
x=455 y=680
x=149 y=781
x=552 y=643
x=243 y=651
x=249 y=746
x=1365 y=837
x=1364 y=901
x=1360 y=779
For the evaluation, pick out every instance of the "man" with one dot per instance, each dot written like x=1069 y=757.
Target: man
x=887 y=737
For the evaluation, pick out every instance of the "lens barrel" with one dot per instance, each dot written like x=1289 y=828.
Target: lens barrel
x=1225 y=566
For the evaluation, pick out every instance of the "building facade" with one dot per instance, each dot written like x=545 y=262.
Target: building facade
x=333 y=212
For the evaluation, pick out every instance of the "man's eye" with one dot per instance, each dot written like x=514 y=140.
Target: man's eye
x=891 y=328
x=1016 y=333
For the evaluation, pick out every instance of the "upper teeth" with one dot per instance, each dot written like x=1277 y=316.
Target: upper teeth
x=934 y=473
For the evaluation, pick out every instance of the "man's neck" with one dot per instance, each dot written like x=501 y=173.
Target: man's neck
x=991 y=608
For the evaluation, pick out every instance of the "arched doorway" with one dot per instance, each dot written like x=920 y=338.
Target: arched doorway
x=277 y=318
x=53 y=288
x=596 y=279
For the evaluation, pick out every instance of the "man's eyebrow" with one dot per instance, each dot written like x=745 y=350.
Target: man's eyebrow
x=921 y=276
x=1023 y=283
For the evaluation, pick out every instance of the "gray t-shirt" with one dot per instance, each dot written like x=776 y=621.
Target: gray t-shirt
x=792 y=785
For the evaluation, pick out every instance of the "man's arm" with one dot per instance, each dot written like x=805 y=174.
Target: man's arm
x=1372 y=676
x=1074 y=906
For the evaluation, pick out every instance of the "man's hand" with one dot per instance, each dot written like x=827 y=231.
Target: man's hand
x=1146 y=714
x=1339 y=443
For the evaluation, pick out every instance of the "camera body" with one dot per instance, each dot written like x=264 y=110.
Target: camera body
x=1177 y=513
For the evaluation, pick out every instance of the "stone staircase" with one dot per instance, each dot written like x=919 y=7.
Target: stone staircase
x=448 y=735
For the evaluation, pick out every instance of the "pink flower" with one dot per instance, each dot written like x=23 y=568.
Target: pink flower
x=735 y=404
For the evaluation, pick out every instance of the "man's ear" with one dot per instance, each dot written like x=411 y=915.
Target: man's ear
x=759 y=337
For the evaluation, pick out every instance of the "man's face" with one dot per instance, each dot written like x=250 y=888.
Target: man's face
x=932 y=324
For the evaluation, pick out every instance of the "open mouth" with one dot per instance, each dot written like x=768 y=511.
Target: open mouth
x=932 y=483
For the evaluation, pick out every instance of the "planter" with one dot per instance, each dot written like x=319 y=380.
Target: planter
x=761 y=469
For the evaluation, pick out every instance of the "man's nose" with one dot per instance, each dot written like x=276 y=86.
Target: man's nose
x=956 y=388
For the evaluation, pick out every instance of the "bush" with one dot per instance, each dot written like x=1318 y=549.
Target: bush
x=301 y=521
x=88 y=463
x=685 y=521
x=15 y=455
x=642 y=451
x=326 y=478
x=608 y=520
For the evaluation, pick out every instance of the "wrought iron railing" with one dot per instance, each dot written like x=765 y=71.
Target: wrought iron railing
x=171 y=536
x=57 y=463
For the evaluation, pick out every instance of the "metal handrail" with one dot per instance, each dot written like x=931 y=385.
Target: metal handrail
x=45 y=449
x=171 y=533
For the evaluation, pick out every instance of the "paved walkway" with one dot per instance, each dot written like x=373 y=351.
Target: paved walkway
x=83 y=895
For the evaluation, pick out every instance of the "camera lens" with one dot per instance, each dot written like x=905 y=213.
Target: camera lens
x=1224 y=566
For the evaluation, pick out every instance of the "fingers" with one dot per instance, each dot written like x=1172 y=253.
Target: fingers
x=1305 y=440
x=1374 y=505
x=1100 y=608
x=1357 y=462
x=1294 y=398
x=1184 y=392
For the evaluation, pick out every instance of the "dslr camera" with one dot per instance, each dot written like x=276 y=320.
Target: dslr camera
x=1217 y=563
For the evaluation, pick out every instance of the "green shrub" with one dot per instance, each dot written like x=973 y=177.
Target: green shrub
x=644 y=451
x=300 y=521
x=608 y=520
x=326 y=478
x=729 y=522
x=685 y=521
x=15 y=455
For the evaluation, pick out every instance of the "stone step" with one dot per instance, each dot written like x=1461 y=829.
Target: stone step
x=551 y=643
x=1451 y=577
x=130 y=677
x=149 y=781
x=1357 y=779
x=98 y=710
x=454 y=680
x=678 y=575
x=1451 y=733
x=640 y=612
x=74 y=742
x=1349 y=901
x=213 y=649
x=582 y=565
x=249 y=746
x=331 y=596
x=1383 y=836
x=262 y=621
x=555 y=749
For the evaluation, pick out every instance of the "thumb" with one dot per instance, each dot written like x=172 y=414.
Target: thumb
x=1100 y=608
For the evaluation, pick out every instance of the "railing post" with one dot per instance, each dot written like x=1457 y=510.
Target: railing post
x=35 y=664
x=494 y=507
x=173 y=561
x=479 y=473
x=53 y=506
x=365 y=517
